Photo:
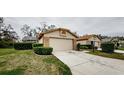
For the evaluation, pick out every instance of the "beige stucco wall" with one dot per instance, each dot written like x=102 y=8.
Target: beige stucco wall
x=85 y=42
x=41 y=40
x=97 y=41
x=59 y=42
x=97 y=44
x=94 y=39
x=82 y=42
x=56 y=34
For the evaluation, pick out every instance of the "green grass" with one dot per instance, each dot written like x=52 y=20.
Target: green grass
x=109 y=55
x=26 y=62
x=4 y=51
x=120 y=48
x=64 y=69
x=16 y=71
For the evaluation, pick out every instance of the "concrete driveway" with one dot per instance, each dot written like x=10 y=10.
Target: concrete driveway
x=82 y=63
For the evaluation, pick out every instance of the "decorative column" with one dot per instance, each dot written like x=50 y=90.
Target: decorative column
x=74 y=44
x=46 y=41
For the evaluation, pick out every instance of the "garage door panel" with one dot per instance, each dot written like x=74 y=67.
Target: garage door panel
x=61 y=44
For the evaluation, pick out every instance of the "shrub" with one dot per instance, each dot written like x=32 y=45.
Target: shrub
x=78 y=46
x=6 y=44
x=23 y=46
x=37 y=45
x=43 y=50
x=107 y=47
x=10 y=45
x=117 y=45
x=89 y=46
x=3 y=44
x=95 y=47
x=85 y=46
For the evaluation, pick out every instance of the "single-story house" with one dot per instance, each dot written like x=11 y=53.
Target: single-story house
x=121 y=42
x=59 y=39
x=109 y=39
x=29 y=39
x=87 y=39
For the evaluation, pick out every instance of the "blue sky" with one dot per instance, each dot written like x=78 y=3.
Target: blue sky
x=82 y=25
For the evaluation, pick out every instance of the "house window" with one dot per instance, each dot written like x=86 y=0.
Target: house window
x=63 y=33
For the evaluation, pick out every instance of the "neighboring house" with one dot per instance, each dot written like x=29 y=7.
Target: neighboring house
x=121 y=42
x=87 y=39
x=114 y=40
x=29 y=39
x=109 y=39
x=58 y=39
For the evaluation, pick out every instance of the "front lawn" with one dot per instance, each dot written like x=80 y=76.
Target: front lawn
x=120 y=48
x=109 y=55
x=26 y=62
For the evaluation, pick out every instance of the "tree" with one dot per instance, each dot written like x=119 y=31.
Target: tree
x=7 y=31
x=1 y=25
x=1 y=19
x=34 y=32
x=26 y=30
x=7 y=35
x=51 y=27
x=44 y=27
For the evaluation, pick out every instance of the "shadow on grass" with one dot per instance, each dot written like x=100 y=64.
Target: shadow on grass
x=3 y=63
x=18 y=71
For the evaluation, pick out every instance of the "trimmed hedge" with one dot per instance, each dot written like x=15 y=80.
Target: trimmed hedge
x=83 y=47
x=107 y=47
x=37 y=45
x=79 y=46
x=6 y=44
x=86 y=46
x=23 y=46
x=43 y=50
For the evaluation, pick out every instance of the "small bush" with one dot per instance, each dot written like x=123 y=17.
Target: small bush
x=23 y=46
x=37 y=45
x=10 y=45
x=78 y=46
x=107 y=47
x=85 y=46
x=3 y=44
x=95 y=47
x=89 y=46
x=6 y=44
x=43 y=50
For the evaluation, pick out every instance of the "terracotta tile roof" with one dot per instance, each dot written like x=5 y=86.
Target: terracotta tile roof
x=56 y=29
x=85 y=37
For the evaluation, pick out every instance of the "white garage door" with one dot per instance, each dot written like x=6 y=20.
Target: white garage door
x=61 y=44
